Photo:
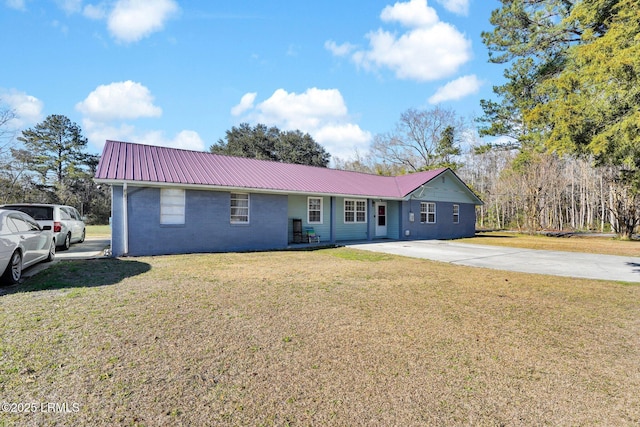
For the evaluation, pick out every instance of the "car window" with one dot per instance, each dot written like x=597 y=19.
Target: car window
x=33 y=226
x=76 y=214
x=21 y=225
x=39 y=213
x=64 y=214
x=11 y=226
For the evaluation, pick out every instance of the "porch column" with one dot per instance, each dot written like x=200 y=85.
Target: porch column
x=332 y=220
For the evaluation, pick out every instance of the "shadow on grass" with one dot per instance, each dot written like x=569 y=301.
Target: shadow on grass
x=494 y=236
x=81 y=274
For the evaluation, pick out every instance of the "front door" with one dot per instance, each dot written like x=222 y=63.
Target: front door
x=381 y=219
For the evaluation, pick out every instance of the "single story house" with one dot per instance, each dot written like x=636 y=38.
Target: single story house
x=170 y=201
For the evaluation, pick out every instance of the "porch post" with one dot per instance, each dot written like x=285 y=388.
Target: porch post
x=332 y=220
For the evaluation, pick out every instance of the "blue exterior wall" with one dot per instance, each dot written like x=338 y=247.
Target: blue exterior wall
x=351 y=231
x=298 y=210
x=393 y=219
x=444 y=227
x=207 y=226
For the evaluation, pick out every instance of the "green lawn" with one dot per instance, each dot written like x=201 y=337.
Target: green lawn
x=98 y=230
x=329 y=337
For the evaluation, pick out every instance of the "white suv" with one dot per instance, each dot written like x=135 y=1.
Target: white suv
x=65 y=221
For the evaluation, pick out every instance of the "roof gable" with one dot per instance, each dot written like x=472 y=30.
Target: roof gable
x=128 y=162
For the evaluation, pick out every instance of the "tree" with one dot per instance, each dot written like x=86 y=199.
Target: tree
x=55 y=151
x=261 y=142
x=423 y=139
x=56 y=148
x=572 y=84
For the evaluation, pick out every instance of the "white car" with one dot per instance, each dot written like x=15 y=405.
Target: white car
x=22 y=243
x=65 y=221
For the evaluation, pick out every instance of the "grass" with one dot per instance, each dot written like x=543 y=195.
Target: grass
x=575 y=243
x=330 y=337
x=101 y=231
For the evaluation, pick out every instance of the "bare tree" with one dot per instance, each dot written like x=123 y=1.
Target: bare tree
x=423 y=139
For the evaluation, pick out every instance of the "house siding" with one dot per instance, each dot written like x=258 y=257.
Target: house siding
x=207 y=226
x=348 y=230
x=444 y=227
x=298 y=210
x=393 y=220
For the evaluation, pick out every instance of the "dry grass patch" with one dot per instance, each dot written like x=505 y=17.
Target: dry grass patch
x=574 y=243
x=332 y=337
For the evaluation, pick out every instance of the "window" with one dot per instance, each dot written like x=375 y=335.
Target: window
x=314 y=210
x=456 y=214
x=172 y=201
x=427 y=212
x=355 y=210
x=239 y=208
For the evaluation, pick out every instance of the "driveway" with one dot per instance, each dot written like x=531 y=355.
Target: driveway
x=89 y=249
x=570 y=264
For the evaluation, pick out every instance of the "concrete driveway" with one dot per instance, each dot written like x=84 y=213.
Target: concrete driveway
x=570 y=264
x=89 y=249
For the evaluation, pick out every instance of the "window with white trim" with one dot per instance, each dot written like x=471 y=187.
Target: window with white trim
x=427 y=212
x=239 y=208
x=314 y=210
x=355 y=211
x=456 y=214
x=172 y=202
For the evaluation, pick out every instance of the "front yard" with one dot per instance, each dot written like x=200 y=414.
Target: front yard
x=331 y=337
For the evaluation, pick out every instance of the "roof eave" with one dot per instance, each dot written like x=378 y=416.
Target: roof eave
x=136 y=183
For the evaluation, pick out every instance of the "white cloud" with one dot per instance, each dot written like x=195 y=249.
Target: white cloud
x=339 y=50
x=320 y=112
x=16 y=4
x=121 y=100
x=429 y=50
x=186 y=139
x=27 y=108
x=97 y=133
x=108 y=109
x=246 y=103
x=133 y=20
x=460 y=7
x=95 y=11
x=70 y=6
x=457 y=89
x=415 y=13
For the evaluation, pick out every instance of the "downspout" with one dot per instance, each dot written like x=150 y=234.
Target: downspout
x=125 y=221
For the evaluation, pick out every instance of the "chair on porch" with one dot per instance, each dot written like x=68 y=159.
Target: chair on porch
x=312 y=237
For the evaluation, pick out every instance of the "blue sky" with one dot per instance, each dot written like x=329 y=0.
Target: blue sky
x=178 y=73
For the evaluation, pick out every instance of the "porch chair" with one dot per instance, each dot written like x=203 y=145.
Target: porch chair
x=312 y=237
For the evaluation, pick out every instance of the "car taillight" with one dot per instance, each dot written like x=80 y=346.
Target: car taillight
x=57 y=227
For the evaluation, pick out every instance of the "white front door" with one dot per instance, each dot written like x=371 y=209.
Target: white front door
x=381 y=219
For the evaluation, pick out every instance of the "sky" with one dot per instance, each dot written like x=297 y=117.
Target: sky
x=182 y=73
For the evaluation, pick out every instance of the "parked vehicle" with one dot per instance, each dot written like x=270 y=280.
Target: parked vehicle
x=22 y=243
x=65 y=221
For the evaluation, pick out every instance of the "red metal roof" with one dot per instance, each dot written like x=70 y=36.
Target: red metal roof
x=124 y=161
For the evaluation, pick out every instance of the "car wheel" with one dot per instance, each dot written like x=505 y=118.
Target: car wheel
x=67 y=242
x=13 y=273
x=52 y=251
x=84 y=232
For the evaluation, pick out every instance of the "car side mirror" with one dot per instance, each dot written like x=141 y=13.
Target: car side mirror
x=46 y=227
